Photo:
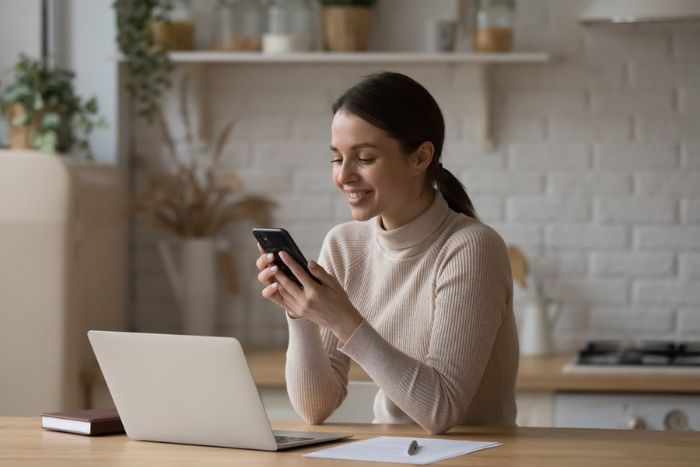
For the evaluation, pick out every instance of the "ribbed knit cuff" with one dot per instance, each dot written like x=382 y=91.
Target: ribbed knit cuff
x=374 y=354
x=305 y=348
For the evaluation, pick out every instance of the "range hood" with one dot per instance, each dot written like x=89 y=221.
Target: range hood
x=639 y=11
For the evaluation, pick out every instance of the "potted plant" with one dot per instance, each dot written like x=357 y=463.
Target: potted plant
x=346 y=24
x=43 y=110
x=147 y=63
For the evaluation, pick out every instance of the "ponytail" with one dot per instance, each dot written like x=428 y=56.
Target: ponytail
x=454 y=193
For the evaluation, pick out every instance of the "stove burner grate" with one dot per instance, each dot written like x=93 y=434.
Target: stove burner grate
x=646 y=353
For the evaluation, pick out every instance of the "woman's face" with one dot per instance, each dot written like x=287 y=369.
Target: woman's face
x=374 y=174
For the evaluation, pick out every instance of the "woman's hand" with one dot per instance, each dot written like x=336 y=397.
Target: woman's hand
x=325 y=304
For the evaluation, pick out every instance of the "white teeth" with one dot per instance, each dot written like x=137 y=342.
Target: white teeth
x=356 y=194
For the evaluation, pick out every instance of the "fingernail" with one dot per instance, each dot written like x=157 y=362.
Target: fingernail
x=270 y=256
x=313 y=264
x=274 y=268
x=282 y=254
x=274 y=285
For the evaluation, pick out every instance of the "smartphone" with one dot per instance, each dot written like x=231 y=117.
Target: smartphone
x=275 y=240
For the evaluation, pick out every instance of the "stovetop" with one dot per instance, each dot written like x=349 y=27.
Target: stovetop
x=641 y=354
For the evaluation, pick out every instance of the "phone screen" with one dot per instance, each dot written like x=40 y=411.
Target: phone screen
x=274 y=240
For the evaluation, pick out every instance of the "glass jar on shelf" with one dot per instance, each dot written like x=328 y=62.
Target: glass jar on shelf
x=494 y=26
x=177 y=31
x=289 y=26
x=239 y=25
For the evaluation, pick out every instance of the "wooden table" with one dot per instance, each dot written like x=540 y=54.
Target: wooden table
x=534 y=374
x=23 y=443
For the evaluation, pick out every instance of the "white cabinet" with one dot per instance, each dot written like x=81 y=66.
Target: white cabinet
x=62 y=272
x=535 y=409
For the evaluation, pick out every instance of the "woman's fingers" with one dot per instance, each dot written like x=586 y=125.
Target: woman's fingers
x=264 y=260
x=271 y=292
x=298 y=271
x=267 y=275
x=321 y=274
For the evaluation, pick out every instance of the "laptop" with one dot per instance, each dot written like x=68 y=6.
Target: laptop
x=189 y=390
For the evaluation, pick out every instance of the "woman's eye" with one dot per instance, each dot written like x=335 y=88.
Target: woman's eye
x=366 y=160
x=336 y=161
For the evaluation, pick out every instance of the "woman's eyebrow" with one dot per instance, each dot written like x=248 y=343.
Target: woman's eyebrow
x=357 y=146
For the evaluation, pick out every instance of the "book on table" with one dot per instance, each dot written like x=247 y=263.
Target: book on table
x=91 y=422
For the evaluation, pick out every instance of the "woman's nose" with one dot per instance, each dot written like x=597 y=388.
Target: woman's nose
x=346 y=172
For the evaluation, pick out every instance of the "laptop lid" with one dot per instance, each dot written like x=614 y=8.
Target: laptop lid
x=183 y=389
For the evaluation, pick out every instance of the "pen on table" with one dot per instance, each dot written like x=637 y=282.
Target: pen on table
x=412 y=448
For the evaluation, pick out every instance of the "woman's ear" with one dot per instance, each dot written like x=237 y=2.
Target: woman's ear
x=422 y=157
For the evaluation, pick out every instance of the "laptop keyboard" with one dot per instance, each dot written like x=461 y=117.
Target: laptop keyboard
x=288 y=439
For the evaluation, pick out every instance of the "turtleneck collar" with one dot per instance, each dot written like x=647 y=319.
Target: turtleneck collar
x=410 y=238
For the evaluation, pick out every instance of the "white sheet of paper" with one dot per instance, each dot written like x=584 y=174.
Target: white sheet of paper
x=394 y=449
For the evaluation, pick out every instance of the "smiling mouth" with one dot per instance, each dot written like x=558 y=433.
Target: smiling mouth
x=355 y=197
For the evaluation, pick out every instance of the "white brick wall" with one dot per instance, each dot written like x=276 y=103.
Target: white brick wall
x=596 y=174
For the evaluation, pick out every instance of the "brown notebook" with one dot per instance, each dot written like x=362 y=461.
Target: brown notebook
x=84 y=422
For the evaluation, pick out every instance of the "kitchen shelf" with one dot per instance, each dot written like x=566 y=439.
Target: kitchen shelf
x=484 y=62
x=360 y=57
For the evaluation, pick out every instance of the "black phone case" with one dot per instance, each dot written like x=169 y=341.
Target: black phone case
x=273 y=241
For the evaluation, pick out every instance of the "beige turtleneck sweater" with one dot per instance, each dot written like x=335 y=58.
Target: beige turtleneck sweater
x=438 y=335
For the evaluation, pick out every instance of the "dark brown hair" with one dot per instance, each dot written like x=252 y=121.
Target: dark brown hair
x=408 y=113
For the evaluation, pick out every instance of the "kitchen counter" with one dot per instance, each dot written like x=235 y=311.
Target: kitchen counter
x=536 y=374
x=24 y=444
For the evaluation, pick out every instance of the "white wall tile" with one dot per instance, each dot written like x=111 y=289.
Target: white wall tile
x=591 y=291
x=665 y=292
x=667 y=183
x=686 y=44
x=644 y=320
x=652 y=128
x=559 y=264
x=634 y=210
x=457 y=156
x=585 y=236
x=689 y=101
x=689 y=265
x=266 y=180
x=316 y=180
x=632 y=103
x=690 y=153
x=549 y=156
x=601 y=42
x=636 y=156
x=544 y=209
x=689 y=322
x=663 y=75
x=632 y=264
x=690 y=211
x=668 y=238
x=590 y=128
x=588 y=183
x=489 y=208
x=540 y=103
x=502 y=182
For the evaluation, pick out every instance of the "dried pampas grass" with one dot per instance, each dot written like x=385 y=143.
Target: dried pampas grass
x=195 y=197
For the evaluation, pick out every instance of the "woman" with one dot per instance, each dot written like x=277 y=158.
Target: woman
x=416 y=290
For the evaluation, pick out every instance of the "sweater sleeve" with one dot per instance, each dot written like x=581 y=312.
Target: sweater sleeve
x=471 y=293
x=316 y=372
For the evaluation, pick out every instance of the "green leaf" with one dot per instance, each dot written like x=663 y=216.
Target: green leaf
x=51 y=120
x=91 y=105
x=38 y=102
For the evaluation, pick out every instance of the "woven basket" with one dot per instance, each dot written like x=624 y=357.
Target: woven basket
x=346 y=28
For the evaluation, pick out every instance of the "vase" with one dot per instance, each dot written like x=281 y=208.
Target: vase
x=194 y=282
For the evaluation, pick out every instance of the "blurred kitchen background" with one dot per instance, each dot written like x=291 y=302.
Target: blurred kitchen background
x=580 y=145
